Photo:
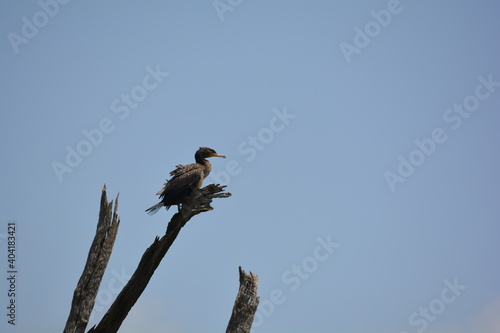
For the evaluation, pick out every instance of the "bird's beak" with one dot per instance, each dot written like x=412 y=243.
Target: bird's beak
x=217 y=155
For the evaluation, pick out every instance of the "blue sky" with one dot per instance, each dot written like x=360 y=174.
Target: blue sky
x=362 y=143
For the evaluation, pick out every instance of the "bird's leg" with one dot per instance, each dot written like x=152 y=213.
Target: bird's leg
x=179 y=207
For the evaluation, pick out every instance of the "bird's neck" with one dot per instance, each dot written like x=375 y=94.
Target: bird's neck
x=201 y=160
x=207 y=166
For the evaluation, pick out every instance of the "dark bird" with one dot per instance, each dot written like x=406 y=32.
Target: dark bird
x=185 y=178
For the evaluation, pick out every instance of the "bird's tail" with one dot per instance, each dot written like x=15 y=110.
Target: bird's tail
x=153 y=209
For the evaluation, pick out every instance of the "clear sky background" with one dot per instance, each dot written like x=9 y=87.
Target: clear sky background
x=359 y=95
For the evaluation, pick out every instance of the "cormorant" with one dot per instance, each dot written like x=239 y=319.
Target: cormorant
x=185 y=178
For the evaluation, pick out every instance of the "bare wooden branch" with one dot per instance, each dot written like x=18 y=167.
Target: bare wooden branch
x=97 y=260
x=199 y=201
x=245 y=305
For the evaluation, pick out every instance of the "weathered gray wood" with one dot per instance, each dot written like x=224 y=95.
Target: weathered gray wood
x=245 y=304
x=198 y=202
x=97 y=260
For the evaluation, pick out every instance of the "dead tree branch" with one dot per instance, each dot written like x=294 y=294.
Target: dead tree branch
x=198 y=202
x=245 y=305
x=97 y=260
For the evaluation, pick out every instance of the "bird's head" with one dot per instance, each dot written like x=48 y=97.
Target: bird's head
x=205 y=152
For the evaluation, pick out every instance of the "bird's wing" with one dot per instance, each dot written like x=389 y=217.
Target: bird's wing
x=181 y=169
x=183 y=183
x=160 y=192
